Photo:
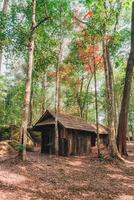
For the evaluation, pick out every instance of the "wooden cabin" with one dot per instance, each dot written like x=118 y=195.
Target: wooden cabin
x=75 y=135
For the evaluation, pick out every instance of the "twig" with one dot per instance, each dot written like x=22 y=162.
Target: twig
x=40 y=22
x=81 y=21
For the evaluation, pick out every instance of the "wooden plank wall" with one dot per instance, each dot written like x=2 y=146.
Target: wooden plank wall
x=78 y=143
x=71 y=142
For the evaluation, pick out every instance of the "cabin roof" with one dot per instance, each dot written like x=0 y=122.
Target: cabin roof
x=69 y=122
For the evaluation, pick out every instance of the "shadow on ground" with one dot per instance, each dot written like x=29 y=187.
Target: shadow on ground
x=67 y=178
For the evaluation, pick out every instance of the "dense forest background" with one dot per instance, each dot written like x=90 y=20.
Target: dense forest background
x=68 y=53
x=72 y=60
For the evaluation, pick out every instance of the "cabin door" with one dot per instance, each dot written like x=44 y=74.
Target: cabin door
x=44 y=145
x=47 y=142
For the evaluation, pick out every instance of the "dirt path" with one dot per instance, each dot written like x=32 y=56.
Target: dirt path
x=66 y=178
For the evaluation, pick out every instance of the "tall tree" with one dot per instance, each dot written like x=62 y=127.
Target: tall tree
x=103 y=28
x=123 y=117
x=57 y=89
x=44 y=83
x=110 y=101
x=26 y=106
x=109 y=78
x=96 y=106
x=25 y=117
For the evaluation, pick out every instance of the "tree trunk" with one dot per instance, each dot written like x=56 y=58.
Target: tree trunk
x=44 y=82
x=117 y=105
x=57 y=108
x=5 y=5
x=110 y=101
x=56 y=111
x=82 y=101
x=123 y=118
x=4 y=10
x=57 y=100
x=85 y=97
x=31 y=106
x=25 y=116
x=96 y=109
x=57 y=89
x=115 y=113
x=57 y=105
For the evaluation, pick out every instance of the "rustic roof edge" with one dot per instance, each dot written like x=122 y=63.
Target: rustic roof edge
x=92 y=128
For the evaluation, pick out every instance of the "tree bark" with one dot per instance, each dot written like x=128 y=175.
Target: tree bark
x=44 y=82
x=25 y=115
x=31 y=106
x=57 y=104
x=85 y=97
x=110 y=101
x=82 y=101
x=57 y=89
x=123 y=117
x=96 y=109
x=57 y=99
x=56 y=112
x=4 y=10
x=5 y=5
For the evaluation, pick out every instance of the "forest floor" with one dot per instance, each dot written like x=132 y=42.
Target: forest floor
x=67 y=178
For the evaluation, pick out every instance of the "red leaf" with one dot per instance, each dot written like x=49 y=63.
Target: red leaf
x=88 y=68
x=81 y=54
x=91 y=50
x=88 y=14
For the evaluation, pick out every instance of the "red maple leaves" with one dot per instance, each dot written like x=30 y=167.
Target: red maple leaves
x=88 y=68
x=77 y=18
x=91 y=57
x=81 y=54
x=88 y=14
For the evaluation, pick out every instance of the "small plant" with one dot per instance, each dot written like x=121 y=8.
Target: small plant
x=101 y=157
x=4 y=134
x=20 y=147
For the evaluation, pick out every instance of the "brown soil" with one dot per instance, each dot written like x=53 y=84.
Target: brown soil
x=66 y=178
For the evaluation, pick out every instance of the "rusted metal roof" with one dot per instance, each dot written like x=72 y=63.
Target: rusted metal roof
x=69 y=122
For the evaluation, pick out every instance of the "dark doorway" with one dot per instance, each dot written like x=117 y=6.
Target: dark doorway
x=45 y=141
x=47 y=146
x=93 y=140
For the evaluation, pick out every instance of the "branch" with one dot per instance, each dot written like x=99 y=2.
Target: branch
x=45 y=8
x=105 y=7
x=117 y=17
x=40 y=22
x=85 y=97
x=81 y=21
x=81 y=87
